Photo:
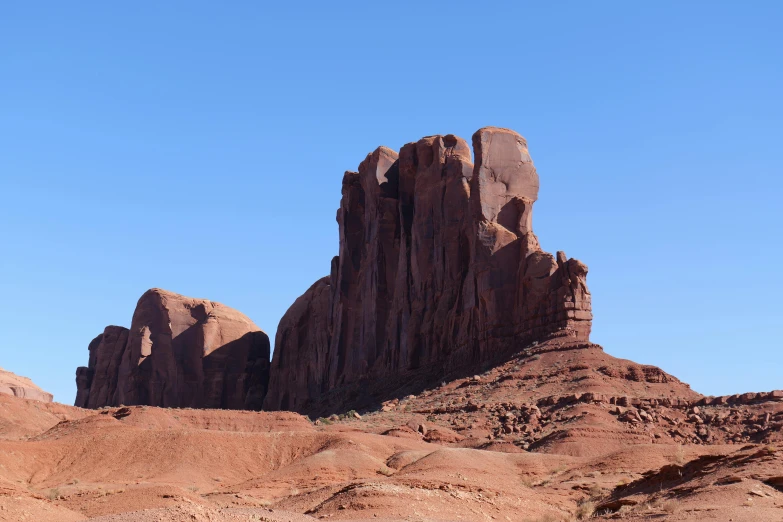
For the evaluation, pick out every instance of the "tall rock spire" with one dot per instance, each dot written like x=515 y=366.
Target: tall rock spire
x=438 y=269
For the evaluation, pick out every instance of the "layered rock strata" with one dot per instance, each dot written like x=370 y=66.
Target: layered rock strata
x=179 y=352
x=438 y=267
x=22 y=387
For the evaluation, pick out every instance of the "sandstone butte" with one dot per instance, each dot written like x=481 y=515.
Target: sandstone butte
x=179 y=352
x=438 y=270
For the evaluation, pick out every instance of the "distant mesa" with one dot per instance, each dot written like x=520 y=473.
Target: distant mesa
x=179 y=352
x=438 y=269
x=22 y=387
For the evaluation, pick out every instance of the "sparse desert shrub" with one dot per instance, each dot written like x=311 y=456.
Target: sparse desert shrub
x=585 y=510
x=528 y=481
x=679 y=455
x=193 y=488
x=386 y=471
x=667 y=505
x=54 y=494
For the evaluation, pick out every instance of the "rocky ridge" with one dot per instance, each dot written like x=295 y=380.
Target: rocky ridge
x=577 y=400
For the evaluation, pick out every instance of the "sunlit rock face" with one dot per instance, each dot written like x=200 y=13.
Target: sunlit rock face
x=178 y=352
x=438 y=268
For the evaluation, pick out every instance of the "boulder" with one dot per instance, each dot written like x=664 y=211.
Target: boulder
x=438 y=270
x=179 y=352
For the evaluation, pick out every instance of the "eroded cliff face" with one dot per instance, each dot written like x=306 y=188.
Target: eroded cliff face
x=179 y=352
x=438 y=268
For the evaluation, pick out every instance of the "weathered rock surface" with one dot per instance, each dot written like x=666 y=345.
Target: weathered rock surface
x=438 y=268
x=96 y=384
x=179 y=352
x=17 y=386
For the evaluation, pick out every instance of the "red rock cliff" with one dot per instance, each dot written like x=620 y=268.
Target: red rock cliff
x=438 y=267
x=179 y=352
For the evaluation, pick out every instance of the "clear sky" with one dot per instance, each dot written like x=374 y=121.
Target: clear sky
x=200 y=147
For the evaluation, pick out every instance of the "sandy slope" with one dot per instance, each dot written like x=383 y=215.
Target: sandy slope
x=518 y=442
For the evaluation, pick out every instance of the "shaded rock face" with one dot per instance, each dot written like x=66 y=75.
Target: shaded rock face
x=438 y=267
x=179 y=352
x=22 y=387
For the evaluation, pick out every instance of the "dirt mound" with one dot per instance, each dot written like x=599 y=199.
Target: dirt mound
x=198 y=463
x=744 y=485
x=20 y=419
x=575 y=399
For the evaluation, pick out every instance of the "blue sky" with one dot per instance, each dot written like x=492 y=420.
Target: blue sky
x=200 y=148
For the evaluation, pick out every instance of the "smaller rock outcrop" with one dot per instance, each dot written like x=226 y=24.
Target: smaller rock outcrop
x=96 y=384
x=22 y=387
x=178 y=352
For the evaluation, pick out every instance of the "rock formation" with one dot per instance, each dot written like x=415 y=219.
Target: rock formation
x=438 y=268
x=179 y=352
x=17 y=386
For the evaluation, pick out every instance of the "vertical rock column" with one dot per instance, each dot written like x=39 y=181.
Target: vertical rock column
x=438 y=268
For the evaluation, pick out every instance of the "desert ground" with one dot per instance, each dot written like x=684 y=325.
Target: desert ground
x=516 y=442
